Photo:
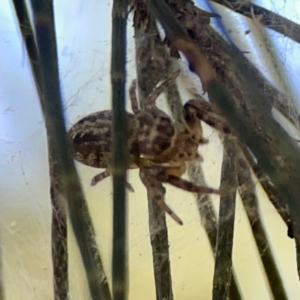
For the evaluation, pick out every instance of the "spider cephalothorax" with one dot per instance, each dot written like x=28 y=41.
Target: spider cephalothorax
x=158 y=146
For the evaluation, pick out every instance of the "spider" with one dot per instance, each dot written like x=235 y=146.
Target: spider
x=157 y=146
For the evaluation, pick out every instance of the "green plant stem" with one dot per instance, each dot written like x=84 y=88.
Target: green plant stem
x=119 y=149
x=160 y=251
x=43 y=21
x=250 y=203
x=59 y=221
x=223 y=265
x=59 y=235
x=271 y=191
x=209 y=221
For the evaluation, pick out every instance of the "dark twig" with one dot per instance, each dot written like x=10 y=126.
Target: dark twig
x=209 y=221
x=223 y=265
x=249 y=199
x=160 y=251
x=59 y=222
x=149 y=72
x=59 y=236
x=276 y=200
x=271 y=191
x=269 y=19
x=48 y=86
x=119 y=149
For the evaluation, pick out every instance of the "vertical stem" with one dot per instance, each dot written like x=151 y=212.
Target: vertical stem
x=160 y=251
x=50 y=99
x=208 y=217
x=250 y=203
x=59 y=234
x=149 y=72
x=119 y=148
x=271 y=191
x=223 y=265
x=59 y=222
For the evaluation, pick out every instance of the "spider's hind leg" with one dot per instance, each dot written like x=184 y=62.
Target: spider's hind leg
x=99 y=177
x=172 y=175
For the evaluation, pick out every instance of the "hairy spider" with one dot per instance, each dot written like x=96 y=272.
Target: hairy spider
x=158 y=146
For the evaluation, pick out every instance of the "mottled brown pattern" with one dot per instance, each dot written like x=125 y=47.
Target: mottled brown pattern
x=91 y=138
x=158 y=146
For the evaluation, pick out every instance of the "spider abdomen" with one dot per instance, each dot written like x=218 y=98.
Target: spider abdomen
x=91 y=138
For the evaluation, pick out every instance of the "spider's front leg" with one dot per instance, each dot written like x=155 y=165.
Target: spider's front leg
x=207 y=113
x=157 y=193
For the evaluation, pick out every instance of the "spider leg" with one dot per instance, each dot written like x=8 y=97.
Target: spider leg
x=99 y=177
x=208 y=114
x=157 y=192
x=171 y=175
x=144 y=117
x=150 y=101
x=188 y=186
x=134 y=100
x=133 y=97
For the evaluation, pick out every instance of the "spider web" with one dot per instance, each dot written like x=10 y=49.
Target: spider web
x=84 y=55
